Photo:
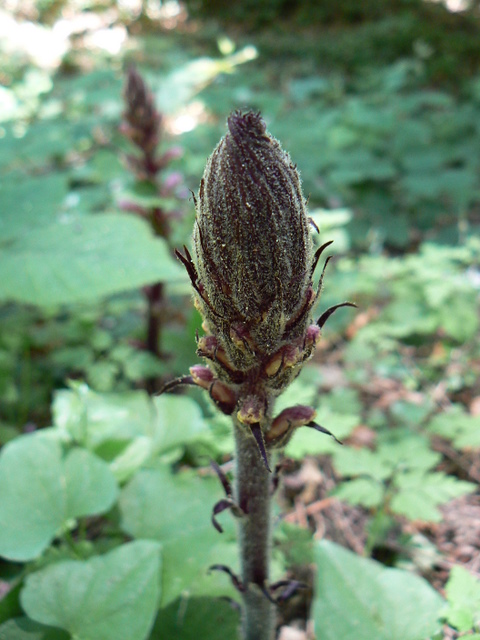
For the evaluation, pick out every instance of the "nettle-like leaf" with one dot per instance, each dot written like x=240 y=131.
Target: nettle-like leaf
x=366 y=492
x=110 y=597
x=83 y=258
x=352 y=462
x=358 y=598
x=340 y=417
x=173 y=509
x=310 y=442
x=406 y=458
x=457 y=425
x=418 y=494
x=42 y=489
x=404 y=449
x=463 y=596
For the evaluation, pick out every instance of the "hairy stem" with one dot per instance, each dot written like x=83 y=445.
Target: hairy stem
x=252 y=492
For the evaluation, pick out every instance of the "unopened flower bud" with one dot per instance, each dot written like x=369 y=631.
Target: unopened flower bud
x=291 y=418
x=252 y=244
x=202 y=376
x=252 y=410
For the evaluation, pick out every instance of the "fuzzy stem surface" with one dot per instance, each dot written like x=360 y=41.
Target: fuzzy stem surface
x=252 y=493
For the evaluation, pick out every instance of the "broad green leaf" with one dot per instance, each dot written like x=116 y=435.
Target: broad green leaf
x=176 y=510
x=131 y=458
x=91 y=486
x=420 y=493
x=26 y=629
x=41 y=491
x=93 y=418
x=185 y=81
x=358 y=598
x=146 y=427
x=26 y=203
x=33 y=504
x=85 y=258
x=197 y=618
x=178 y=420
x=110 y=597
x=463 y=596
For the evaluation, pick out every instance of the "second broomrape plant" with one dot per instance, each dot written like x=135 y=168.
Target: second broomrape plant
x=252 y=274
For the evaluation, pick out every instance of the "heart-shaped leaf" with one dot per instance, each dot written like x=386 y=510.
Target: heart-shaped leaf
x=33 y=503
x=359 y=598
x=41 y=490
x=91 y=486
x=110 y=597
x=176 y=511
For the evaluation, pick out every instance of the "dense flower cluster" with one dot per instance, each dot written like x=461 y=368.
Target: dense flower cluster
x=252 y=270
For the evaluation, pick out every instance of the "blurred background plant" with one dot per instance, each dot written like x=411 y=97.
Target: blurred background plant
x=379 y=106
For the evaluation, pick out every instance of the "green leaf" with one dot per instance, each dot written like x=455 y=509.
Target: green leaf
x=26 y=629
x=82 y=259
x=457 y=425
x=403 y=449
x=146 y=427
x=295 y=543
x=307 y=441
x=186 y=80
x=194 y=618
x=29 y=203
x=91 y=486
x=355 y=462
x=33 y=503
x=41 y=491
x=131 y=458
x=110 y=597
x=362 y=491
x=176 y=510
x=463 y=596
x=178 y=420
x=463 y=324
x=10 y=598
x=359 y=598
x=419 y=494
x=102 y=375
x=93 y=418
x=299 y=392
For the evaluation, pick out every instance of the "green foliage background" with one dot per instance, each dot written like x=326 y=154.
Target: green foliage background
x=105 y=525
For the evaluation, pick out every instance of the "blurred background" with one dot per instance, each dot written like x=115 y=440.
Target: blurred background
x=108 y=112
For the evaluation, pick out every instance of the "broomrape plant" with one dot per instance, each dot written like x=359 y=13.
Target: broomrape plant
x=252 y=273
